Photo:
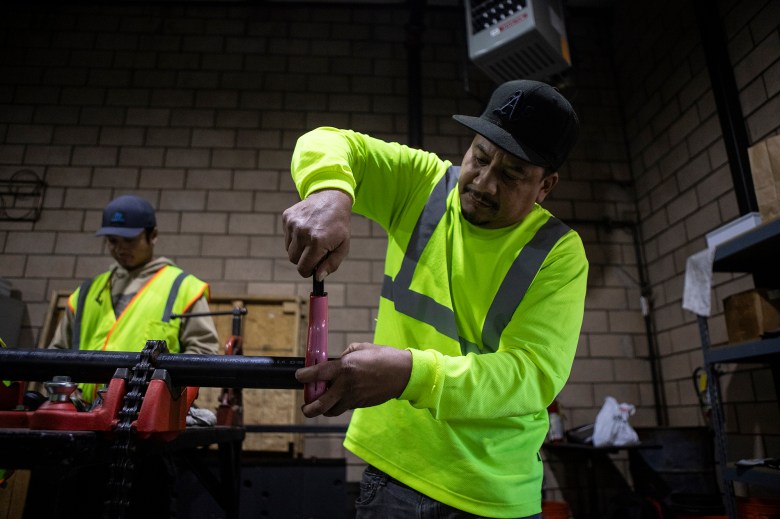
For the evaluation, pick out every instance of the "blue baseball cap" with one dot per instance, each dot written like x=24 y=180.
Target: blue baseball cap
x=127 y=216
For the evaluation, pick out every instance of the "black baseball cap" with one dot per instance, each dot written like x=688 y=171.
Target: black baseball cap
x=529 y=119
x=127 y=216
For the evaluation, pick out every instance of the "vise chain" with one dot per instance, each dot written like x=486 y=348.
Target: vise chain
x=124 y=445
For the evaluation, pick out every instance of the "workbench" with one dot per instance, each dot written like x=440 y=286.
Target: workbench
x=588 y=475
x=71 y=465
x=69 y=469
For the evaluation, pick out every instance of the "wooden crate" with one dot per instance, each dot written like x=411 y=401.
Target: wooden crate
x=271 y=327
x=12 y=496
x=57 y=305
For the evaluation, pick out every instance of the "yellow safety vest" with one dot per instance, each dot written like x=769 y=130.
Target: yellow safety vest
x=146 y=317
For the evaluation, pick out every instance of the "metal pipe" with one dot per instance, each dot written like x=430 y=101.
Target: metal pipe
x=184 y=369
x=716 y=403
x=653 y=354
x=414 y=31
x=236 y=312
x=724 y=89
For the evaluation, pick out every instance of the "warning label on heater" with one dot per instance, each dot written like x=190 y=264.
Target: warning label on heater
x=520 y=18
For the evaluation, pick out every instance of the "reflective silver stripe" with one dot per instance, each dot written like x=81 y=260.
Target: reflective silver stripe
x=466 y=347
x=166 y=316
x=421 y=307
x=518 y=279
x=414 y=304
x=509 y=295
x=423 y=230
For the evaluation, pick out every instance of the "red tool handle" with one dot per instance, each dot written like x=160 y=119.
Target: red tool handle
x=317 y=339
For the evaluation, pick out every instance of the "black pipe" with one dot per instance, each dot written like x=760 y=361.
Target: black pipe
x=295 y=428
x=184 y=369
x=653 y=354
x=654 y=357
x=414 y=30
x=724 y=89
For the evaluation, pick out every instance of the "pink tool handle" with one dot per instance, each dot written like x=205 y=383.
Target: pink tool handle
x=316 y=344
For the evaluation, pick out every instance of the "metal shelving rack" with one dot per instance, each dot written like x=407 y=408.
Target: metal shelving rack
x=753 y=252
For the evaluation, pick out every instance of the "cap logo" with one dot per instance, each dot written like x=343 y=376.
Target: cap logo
x=509 y=112
x=530 y=120
x=118 y=217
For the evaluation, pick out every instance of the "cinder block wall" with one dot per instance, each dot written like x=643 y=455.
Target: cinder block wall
x=198 y=108
x=684 y=186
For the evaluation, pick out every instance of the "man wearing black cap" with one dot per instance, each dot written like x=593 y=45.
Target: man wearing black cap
x=480 y=309
x=129 y=304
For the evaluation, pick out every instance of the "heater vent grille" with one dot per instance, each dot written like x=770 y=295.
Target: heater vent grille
x=517 y=39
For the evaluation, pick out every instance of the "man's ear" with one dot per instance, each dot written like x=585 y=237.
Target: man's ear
x=153 y=236
x=548 y=184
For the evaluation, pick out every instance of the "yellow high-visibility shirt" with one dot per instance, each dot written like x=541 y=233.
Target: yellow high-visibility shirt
x=468 y=428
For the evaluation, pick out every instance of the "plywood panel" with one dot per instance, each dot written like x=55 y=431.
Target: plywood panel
x=13 y=494
x=57 y=305
x=272 y=327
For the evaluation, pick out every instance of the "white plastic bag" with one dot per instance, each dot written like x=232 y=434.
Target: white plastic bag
x=612 y=427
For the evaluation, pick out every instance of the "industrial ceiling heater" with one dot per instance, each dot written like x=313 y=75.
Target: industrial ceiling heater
x=517 y=39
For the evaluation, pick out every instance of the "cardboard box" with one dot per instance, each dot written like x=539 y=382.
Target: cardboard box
x=765 y=169
x=751 y=313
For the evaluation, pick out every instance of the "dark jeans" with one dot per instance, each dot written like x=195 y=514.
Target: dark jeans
x=382 y=497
